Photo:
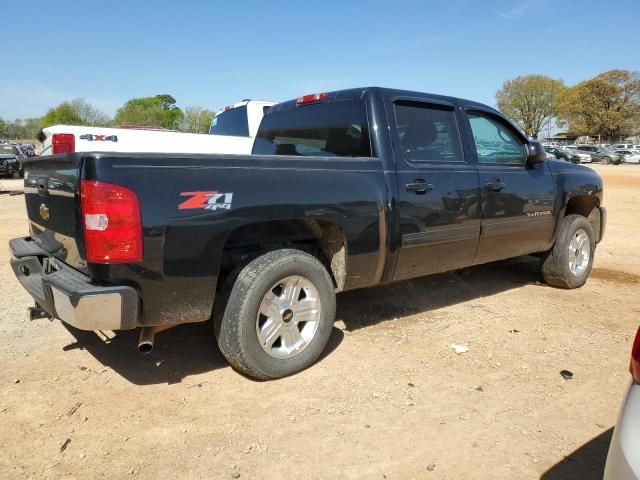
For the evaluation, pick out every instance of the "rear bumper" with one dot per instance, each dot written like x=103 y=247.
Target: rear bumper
x=623 y=460
x=69 y=295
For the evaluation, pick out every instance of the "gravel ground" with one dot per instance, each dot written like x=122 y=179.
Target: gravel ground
x=388 y=400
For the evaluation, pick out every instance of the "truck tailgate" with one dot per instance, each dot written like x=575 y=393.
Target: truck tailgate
x=51 y=195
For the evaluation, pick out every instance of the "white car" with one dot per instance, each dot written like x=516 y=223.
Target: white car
x=625 y=146
x=623 y=460
x=630 y=156
x=134 y=139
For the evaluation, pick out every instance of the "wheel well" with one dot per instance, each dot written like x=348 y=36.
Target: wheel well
x=586 y=206
x=324 y=240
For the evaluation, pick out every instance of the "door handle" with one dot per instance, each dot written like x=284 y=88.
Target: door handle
x=495 y=185
x=419 y=186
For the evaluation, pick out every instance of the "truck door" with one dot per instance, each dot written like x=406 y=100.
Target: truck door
x=516 y=198
x=439 y=191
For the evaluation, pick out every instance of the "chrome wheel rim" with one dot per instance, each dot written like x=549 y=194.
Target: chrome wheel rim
x=288 y=317
x=579 y=253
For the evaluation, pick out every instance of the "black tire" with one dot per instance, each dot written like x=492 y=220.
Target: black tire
x=605 y=161
x=236 y=328
x=555 y=263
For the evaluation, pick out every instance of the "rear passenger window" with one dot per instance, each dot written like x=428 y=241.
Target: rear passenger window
x=327 y=129
x=428 y=133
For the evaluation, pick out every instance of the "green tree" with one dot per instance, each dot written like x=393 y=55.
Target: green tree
x=530 y=101
x=62 y=114
x=607 y=105
x=3 y=128
x=196 y=119
x=158 y=111
x=75 y=112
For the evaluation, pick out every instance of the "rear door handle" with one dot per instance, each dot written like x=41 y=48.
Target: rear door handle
x=495 y=186
x=419 y=186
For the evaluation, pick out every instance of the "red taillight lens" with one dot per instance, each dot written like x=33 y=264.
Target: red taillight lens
x=111 y=219
x=63 y=143
x=313 y=97
x=635 y=358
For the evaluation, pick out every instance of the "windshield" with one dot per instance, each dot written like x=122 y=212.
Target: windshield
x=6 y=149
x=231 y=122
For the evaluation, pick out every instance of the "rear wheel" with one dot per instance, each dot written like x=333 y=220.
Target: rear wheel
x=279 y=315
x=606 y=160
x=568 y=264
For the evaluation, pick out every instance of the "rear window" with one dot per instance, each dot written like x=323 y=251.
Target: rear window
x=333 y=129
x=231 y=122
x=6 y=149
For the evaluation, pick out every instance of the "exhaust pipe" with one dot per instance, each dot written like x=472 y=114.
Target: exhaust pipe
x=147 y=336
x=145 y=343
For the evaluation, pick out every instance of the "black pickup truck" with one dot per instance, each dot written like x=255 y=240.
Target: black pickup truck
x=343 y=190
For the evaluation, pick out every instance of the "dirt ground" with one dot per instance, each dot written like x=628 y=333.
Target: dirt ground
x=388 y=400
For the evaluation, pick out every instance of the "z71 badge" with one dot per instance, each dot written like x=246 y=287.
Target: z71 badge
x=206 y=201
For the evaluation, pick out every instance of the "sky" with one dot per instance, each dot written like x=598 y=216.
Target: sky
x=213 y=53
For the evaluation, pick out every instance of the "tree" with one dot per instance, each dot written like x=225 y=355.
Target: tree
x=158 y=111
x=89 y=114
x=529 y=101
x=75 y=112
x=62 y=114
x=20 y=129
x=3 y=128
x=197 y=119
x=607 y=105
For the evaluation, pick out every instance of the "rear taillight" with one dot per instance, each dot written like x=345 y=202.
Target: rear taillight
x=635 y=358
x=111 y=220
x=63 y=143
x=313 y=97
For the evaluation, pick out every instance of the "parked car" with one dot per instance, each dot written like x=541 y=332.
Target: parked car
x=625 y=146
x=343 y=190
x=28 y=149
x=130 y=138
x=623 y=459
x=630 y=156
x=583 y=156
x=565 y=154
x=11 y=158
x=601 y=154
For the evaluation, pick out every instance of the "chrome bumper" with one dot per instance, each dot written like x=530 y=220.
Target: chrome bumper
x=69 y=295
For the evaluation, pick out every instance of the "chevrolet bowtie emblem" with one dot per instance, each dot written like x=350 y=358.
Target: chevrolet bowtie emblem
x=44 y=212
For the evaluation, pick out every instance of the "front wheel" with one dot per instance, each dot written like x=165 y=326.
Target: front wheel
x=568 y=264
x=279 y=315
x=606 y=160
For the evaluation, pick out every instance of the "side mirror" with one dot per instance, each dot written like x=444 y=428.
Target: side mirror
x=535 y=153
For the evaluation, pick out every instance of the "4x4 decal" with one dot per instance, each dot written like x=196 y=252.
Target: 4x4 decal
x=98 y=138
x=210 y=200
